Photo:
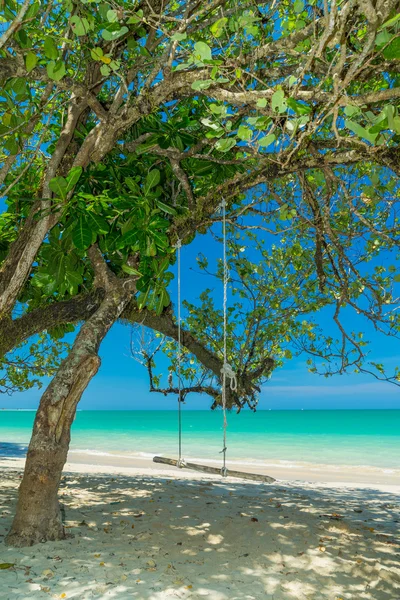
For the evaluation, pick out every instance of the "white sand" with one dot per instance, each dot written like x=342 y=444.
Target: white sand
x=150 y=536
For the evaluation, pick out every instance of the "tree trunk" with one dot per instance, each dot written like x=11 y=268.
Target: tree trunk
x=38 y=516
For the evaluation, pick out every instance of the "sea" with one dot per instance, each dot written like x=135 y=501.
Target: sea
x=267 y=437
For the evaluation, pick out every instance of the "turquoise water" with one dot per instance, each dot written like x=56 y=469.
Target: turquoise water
x=340 y=437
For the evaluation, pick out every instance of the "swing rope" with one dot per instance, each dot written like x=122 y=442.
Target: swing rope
x=227 y=371
x=181 y=462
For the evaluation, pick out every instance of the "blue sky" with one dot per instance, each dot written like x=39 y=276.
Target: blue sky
x=122 y=383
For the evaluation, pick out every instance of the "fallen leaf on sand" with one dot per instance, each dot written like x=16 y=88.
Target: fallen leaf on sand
x=44 y=589
x=48 y=573
x=254 y=520
x=151 y=563
x=322 y=548
x=188 y=587
x=6 y=565
x=101 y=564
x=97 y=555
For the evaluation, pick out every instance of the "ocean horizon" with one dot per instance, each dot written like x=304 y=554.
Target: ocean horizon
x=287 y=438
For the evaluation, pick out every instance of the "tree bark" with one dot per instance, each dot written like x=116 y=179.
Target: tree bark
x=38 y=517
x=16 y=331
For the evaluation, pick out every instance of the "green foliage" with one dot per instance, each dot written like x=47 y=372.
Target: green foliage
x=28 y=364
x=178 y=114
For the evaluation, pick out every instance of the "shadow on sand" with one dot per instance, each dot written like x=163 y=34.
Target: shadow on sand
x=158 y=538
x=11 y=450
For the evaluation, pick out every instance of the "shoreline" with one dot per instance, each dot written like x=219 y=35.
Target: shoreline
x=306 y=474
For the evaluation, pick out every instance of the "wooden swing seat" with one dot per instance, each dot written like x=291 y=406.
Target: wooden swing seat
x=214 y=470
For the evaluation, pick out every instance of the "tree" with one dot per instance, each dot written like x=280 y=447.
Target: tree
x=123 y=127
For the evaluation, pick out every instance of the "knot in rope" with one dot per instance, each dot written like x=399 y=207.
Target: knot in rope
x=222 y=205
x=178 y=244
x=230 y=374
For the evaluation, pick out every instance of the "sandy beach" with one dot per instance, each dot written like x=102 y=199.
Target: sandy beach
x=152 y=534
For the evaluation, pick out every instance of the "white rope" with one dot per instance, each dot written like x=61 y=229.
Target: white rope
x=181 y=462
x=227 y=371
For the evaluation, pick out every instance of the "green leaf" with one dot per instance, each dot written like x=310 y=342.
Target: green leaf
x=202 y=84
x=160 y=239
x=298 y=6
x=4 y=566
x=50 y=49
x=382 y=38
x=97 y=223
x=152 y=179
x=132 y=185
x=360 y=131
x=80 y=26
x=262 y=102
x=11 y=145
x=151 y=249
x=218 y=28
x=19 y=86
x=244 y=133
x=111 y=35
x=97 y=53
x=351 y=110
x=166 y=208
x=136 y=17
x=278 y=102
x=202 y=51
x=105 y=70
x=396 y=124
x=128 y=239
x=298 y=107
x=33 y=10
x=142 y=298
x=56 y=70
x=393 y=50
x=217 y=109
x=74 y=279
x=82 y=235
x=178 y=37
x=73 y=177
x=161 y=301
x=112 y=16
x=131 y=270
x=225 y=144
x=30 y=61
x=391 y=21
x=59 y=185
x=267 y=140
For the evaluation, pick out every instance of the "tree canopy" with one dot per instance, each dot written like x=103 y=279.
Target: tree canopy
x=125 y=124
